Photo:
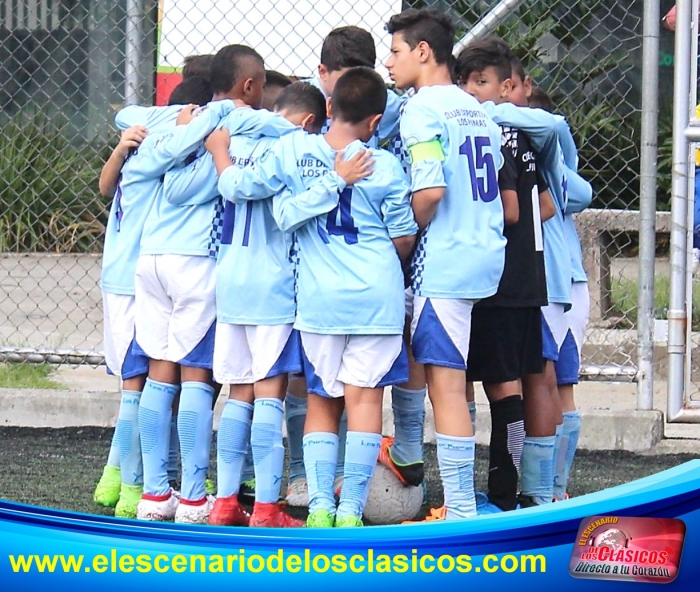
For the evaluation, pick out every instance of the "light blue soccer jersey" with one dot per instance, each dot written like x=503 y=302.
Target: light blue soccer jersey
x=461 y=252
x=349 y=274
x=580 y=196
x=140 y=183
x=187 y=218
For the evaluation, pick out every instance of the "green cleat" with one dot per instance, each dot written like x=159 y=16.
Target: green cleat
x=209 y=486
x=348 y=522
x=320 y=519
x=129 y=499
x=108 y=487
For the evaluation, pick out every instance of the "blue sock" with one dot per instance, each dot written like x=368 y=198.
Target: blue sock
x=232 y=444
x=537 y=480
x=360 y=461
x=456 y=459
x=268 y=449
x=295 y=416
x=570 y=434
x=155 y=412
x=113 y=456
x=409 y=422
x=342 y=442
x=174 y=452
x=320 y=460
x=194 y=425
x=129 y=442
x=559 y=461
x=472 y=413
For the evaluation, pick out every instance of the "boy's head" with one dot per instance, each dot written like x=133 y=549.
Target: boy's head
x=420 y=38
x=343 y=48
x=238 y=72
x=275 y=83
x=521 y=83
x=484 y=70
x=198 y=65
x=304 y=105
x=193 y=90
x=540 y=99
x=359 y=98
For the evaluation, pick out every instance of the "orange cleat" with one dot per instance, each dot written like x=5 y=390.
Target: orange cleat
x=227 y=511
x=412 y=474
x=272 y=516
x=434 y=515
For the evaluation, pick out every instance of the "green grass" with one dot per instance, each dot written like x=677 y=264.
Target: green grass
x=34 y=376
x=624 y=295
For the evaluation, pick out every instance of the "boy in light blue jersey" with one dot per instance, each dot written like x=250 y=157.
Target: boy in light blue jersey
x=175 y=297
x=350 y=283
x=455 y=153
x=122 y=482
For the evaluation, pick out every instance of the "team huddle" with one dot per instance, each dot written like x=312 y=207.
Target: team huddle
x=310 y=243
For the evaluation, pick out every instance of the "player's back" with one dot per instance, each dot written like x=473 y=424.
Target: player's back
x=461 y=252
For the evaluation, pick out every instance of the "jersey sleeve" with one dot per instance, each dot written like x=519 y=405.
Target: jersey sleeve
x=421 y=132
x=542 y=184
x=579 y=192
x=132 y=115
x=257 y=123
x=194 y=183
x=396 y=206
x=389 y=123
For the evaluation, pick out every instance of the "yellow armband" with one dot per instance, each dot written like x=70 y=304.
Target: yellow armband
x=426 y=151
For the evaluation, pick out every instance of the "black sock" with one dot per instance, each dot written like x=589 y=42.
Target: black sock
x=506 y=447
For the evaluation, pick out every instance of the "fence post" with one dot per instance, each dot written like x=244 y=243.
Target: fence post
x=132 y=51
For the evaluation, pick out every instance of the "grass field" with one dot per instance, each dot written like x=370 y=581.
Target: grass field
x=34 y=376
x=59 y=468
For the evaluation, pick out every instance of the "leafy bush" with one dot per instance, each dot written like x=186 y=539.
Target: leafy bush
x=49 y=200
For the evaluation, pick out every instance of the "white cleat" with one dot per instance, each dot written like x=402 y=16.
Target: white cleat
x=189 y=512
x=158 y=508
x=298 y=493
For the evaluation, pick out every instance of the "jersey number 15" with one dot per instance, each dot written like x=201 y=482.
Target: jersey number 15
x=483 y=187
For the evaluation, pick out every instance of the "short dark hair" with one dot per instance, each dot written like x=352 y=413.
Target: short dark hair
x=302 y=96
x=198 y=65
x=540 y=98
x=358 y=94
x=429 y=25
x=195 y=90
x=347 y=47
x=516 y=65
x=274 y=78
x=226 y=66
x=482 y=54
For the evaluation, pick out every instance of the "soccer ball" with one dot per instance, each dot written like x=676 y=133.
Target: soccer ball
x=390 y=501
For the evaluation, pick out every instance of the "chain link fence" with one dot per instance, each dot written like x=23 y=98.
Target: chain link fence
x=66 y=66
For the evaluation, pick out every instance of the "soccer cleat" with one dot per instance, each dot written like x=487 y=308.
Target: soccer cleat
x=488 y=508
x=129 y=499
x=158 y=508
x=412 y=474
x=527 y=501
x=209 y=487
x=482 y=499
x=298 y=493
x=349 y=521
x=434 y=515
x=246 y=493
x=227 y=511
x=338 y=486
x=272 y=516
x=556 y=499
x=320 y=519
x=108 y=487
x=194 y=511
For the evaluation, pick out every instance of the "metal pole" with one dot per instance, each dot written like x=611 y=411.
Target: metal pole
x=677 y=318
x=132 y=51
x=647 y=204
x=497 y=15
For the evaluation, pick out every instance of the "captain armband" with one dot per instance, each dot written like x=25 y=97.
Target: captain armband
x=431 y=150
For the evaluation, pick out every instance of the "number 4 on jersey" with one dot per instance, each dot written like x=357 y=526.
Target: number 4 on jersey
x=344 y=227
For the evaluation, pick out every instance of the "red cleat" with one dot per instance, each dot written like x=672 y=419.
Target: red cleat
x=272 y=516
x=227 y=511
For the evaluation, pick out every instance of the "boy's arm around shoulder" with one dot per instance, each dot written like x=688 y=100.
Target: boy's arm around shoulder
x=396 y=207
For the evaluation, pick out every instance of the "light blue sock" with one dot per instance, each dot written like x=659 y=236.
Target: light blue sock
x=268 y=449
x=194 y=425
x=295 y=416
x=232 y=445
x=536 y=468
x=129 y=442
x=472 y=413
x=342 y=442
x=570 y=435
x=559 y=460
x=320 y=460
x=456 y=459
x=174 y=452
x=113 y=456
x=409 y=422
x=155 y=412
x=361 y=456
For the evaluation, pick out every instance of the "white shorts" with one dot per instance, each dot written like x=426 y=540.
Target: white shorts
x=554 y=328
x=408 y=301
x=580 y=312
x=440 y=331
x=119 y=313
x=176 y=308
x=244 y=354
x=367 y=361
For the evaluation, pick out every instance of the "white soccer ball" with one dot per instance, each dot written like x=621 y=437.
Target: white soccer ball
x=390 y=501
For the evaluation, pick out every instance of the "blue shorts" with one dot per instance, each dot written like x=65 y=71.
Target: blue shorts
x=569 y=363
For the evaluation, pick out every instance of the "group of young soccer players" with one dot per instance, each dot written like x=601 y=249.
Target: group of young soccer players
x=287 y=254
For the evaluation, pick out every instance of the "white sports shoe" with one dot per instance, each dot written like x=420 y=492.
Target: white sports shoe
x=298 y=493
x=158 y=507
x=194 y=512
